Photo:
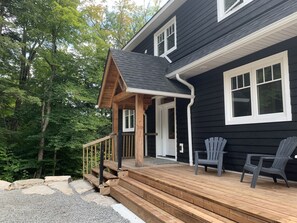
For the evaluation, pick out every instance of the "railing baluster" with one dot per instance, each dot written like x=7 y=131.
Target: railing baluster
x=101 y=164
x=87 y=160
x=83 y=161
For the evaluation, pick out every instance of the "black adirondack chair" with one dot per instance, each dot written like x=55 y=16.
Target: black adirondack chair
x=285 y=150
x=214 y=150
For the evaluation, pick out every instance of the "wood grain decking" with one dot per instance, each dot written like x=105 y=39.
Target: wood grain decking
x=225 y=195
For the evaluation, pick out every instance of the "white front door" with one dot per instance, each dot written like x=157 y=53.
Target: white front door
x=166 y=139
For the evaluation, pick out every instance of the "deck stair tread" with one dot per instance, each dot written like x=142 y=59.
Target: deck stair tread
x=141 y=207
x=113 y=166
x=213 y=191
x=92 y=179
x=204 y=195
x=179 y=208
x=106 y=175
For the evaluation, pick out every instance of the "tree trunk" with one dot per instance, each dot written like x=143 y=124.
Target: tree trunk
x=45 y=113
x=46 y=106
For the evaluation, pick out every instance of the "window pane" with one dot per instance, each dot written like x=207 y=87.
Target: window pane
x=270 y=98
x=234 y=85
x=171 y=124
x=170 y=42
x=268 y=74
x=229 y=3
x=277 y=71
x=161 y=48
x=240 y=81
x=132 y=120
x=260 y=78
x=247 y=79
x=241 y=102
x=127 y=122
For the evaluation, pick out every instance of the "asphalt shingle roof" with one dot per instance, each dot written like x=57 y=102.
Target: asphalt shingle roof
x=142 y=71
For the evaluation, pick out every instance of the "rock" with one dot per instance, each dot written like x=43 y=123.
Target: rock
x=57 y=179
x=81 y=186
x=4 y=185
x=62 y=186
x=20 y=184
x=38 y=189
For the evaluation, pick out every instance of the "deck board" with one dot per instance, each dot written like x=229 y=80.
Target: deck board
x=274 y=201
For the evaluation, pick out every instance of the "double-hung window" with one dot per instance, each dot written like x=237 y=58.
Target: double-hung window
x=227 y=7
x=128 y=120
x=165 y=39
x=258 y=92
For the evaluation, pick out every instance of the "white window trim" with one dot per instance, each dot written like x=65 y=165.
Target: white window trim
x=221 y=8
x=286 y=115
x=124 y=122
x=163 y=29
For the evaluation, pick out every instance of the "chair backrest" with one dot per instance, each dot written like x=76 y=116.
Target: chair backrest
x=214 y=146
x=285 y=149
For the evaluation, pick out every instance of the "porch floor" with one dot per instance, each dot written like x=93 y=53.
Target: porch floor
x=270 y=200
x=150 y=162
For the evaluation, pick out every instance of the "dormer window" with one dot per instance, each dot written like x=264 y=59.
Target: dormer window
x=227 y=7
x=165 y=39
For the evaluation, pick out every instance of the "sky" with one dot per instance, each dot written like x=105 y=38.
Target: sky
x=138 y=2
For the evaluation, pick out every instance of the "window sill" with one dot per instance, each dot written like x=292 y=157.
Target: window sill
x=271 y=118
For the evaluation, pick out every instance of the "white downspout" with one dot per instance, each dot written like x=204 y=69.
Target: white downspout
x=189 y=118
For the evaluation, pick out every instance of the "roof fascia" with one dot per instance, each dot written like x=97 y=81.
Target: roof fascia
x=266 y=31
x=158 y=93
x=106 y=69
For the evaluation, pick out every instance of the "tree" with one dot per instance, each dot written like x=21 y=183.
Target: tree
x=51 y=66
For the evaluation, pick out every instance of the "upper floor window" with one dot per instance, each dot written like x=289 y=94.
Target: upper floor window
x=165 y=39
x=258 y=92
x=128 y=120
x=227 y=7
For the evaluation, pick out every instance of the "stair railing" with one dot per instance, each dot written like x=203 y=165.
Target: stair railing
x=91 y=152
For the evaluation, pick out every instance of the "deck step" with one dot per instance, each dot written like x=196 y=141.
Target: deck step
x=113 y=165
x=178 y=208
x=103 y=188
x=204 y=201
x=145 y=210
x=106 y=175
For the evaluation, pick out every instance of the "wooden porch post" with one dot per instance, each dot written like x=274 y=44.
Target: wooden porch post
x=139 y=137
x=115 y=128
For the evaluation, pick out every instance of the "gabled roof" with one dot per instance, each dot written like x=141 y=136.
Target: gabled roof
x=137 y=73
x=143 y=73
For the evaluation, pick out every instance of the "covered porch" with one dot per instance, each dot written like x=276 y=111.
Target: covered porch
x=129 y=89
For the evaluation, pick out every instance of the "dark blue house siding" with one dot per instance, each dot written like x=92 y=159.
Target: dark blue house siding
x=151 y=128
x=182 y=129
x=197 y=24
x=209 y=119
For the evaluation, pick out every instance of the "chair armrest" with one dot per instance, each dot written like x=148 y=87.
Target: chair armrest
x=249 y=157
x=275 y=157
x=199 y=151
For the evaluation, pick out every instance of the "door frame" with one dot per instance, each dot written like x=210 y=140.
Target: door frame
x=159 y=140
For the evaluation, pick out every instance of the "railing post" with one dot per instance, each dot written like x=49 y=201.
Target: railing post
x=120 y=149
x=101 y=163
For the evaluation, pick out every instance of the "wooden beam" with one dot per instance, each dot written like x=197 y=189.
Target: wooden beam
x=122 y=96
x=115 y=118
x=139 y=125
x=115 y=129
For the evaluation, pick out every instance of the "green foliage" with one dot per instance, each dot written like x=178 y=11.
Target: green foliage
x=52 y=54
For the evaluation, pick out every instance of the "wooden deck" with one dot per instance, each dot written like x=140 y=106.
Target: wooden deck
x=224 y=195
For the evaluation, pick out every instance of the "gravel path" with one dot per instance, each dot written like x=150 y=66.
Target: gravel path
x=58 y=207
